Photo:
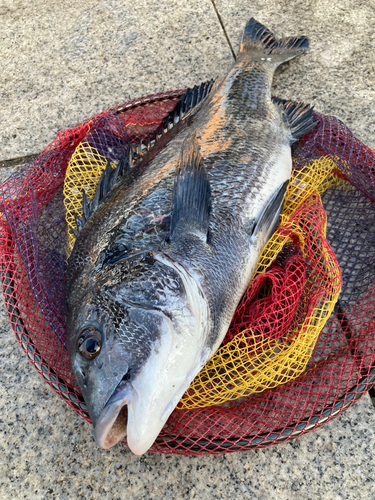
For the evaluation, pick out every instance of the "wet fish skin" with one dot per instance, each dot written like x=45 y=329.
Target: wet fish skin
x=159 y=274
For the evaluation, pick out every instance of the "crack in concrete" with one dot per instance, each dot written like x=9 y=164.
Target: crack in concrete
x=223 y=28
x=17 y=162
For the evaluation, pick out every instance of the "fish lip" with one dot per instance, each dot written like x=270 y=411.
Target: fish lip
x=108 y=416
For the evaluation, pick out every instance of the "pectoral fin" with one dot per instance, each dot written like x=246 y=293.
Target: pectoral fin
x=191 y=197
x=269 y=217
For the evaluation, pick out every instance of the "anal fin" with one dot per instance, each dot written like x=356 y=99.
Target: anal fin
x=298 y=115
x=191 y=196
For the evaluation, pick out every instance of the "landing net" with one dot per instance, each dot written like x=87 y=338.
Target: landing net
x=298 y=352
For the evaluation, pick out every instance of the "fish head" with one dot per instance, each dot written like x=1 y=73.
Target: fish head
x=136 y=340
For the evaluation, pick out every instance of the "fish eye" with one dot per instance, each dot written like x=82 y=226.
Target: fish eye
x=90 y=343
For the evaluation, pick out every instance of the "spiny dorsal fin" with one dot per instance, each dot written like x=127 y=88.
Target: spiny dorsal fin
x=298 y=115
x=191 y=195
x=188 y=100
x=192 y=97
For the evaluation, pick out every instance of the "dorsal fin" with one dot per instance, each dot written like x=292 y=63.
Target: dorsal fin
x=188 y=100
x=191 y=194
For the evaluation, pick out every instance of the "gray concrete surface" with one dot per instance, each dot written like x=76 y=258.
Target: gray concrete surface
x=63 y=61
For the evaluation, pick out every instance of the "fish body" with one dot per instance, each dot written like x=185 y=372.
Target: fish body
x=159 y=267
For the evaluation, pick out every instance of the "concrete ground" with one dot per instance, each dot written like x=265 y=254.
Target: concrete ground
x=64 y=61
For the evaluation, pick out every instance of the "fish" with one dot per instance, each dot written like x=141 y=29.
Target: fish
x=169 y=243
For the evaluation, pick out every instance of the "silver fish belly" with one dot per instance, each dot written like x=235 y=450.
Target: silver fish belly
x=159 y=267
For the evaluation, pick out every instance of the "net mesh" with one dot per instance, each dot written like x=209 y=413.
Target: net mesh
x=291 y=302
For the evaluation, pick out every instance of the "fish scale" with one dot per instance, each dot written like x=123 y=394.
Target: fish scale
x=174 y=243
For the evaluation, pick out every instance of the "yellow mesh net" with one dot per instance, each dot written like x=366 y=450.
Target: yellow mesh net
x=252 y=361
x=83 y=174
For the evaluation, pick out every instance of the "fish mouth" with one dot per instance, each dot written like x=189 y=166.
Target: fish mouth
x=111 y=425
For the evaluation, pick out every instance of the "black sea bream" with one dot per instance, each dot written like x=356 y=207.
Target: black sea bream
x=163 y=259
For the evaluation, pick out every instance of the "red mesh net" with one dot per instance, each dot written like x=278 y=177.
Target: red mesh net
x=33 y=239
x=271 y=304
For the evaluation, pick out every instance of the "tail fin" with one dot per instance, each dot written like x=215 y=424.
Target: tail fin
x=258 y=42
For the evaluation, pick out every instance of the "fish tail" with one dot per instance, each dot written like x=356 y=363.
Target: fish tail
x=258 y=43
